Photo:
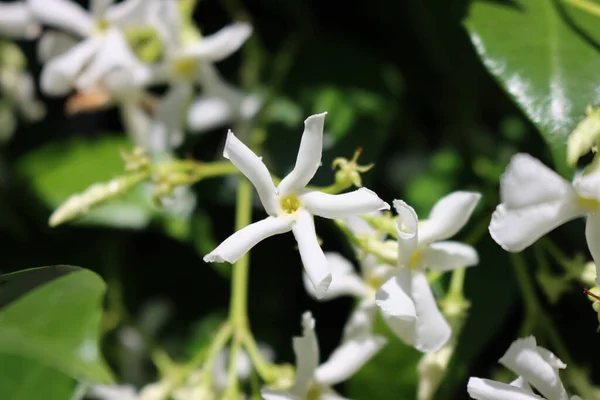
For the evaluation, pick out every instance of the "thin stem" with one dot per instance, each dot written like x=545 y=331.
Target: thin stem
x=533 y=309
x=262 y=366
x=585 y=5
x=457 y=282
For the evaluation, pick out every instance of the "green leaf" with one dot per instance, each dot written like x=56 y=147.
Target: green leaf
x=545 y=55
x=58 y=323
x=61 y=169
x=23 y=378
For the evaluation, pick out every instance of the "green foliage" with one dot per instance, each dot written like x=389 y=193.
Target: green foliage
x=545 y=55
x=56 y=324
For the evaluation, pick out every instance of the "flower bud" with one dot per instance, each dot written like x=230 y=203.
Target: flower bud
x=585 y=137
x=349 y=170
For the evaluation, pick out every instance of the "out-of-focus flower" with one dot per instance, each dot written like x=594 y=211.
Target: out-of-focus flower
x=405 y=300
x=107 y=392
x=535 y=200
x=291 y=206
x=314 y=381
x=537 y=369
x=17 y=21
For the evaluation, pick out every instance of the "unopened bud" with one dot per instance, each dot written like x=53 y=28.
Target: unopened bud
x=585 y=137
x=349 y=170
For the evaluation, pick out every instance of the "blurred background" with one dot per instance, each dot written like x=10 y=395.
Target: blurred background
x=399 y=79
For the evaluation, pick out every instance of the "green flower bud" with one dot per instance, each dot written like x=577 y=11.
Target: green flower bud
x=585 y=137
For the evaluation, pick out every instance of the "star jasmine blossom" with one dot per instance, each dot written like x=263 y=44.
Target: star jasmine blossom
x=405 y=300
x=291 y=206
x=17 y=21
x=537 y=369
x=535 y=200
x=314 y=381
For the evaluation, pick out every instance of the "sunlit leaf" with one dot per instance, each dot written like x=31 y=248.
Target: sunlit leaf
x=545 y=55
x=57 y=323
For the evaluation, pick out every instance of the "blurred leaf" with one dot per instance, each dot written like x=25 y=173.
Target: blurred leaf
x=25 y=379
x=62 y=169
x=57 y=323
x=545 y=55
x=391 y=374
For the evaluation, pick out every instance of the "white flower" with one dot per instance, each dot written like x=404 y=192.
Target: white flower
x=112 y=392
x=17 y=21
x=405 y=300
x=535 y=200
x=290 y=205
x=314 y=381
x=536 y=367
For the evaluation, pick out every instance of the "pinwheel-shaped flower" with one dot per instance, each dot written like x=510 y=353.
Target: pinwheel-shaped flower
x=406 y=301
x=536 y=367
x=535 y=200
x=290 y=205
x=314 y=381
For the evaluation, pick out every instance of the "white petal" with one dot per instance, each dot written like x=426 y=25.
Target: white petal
x=221 y=44
x=313 y=259
x=136 y=121
x=309 y=156
x=99 y=7
x=347 y=359
x=277 y=395
x=521 y=383
x=527 y=182
x=254 y=169
x=53 y=44
x=428 y=330
x=359 y=226
x=131 y=12
x=17 y=21
x=207 y=113
x=327 y=393
x=592 y=236
x=238 y=244
x=59 y=74
x=360 y=322
x=517 y=229
x=360 y=201
x=407 y=228
x=485 y=389
x=306 y=349
x=551 y=358
x=587 y=184
x=117 y=392
x=167 y=130
x=344 y=281
x=63 y=14
x=448 y=216
x=448 y=255
x=522 y=358
x=397 y=307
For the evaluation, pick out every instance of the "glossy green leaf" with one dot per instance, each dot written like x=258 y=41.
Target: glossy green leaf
x=545 y=55
x=57 y=324
x=24 y=379
x=61 y=169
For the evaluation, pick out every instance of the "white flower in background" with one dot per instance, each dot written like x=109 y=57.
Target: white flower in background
x=290 y=205
x=112 y=392
x=17 y=21
x=537 y=368
x=314 y=381
x=405 y=300
x=535 y=200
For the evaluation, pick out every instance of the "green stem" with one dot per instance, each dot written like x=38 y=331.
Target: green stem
x=457 y=282
x=585 y=5
x=262 y=366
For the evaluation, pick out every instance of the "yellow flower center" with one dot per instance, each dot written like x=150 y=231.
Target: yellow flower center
x=185 y=67
x=313 y=393
x=289 y=204
x=590 y=204
x=415 y=260
x=374 y=282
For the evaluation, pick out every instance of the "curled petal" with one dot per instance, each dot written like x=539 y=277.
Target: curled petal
x=306 y=349
x=16 y=20
x=238 y=244
x=407 y=228
x=344 y=281
x=360 y=201
x=309 y=156
x=485 y=389
x=426 y=329
x=347 y=359
x=522 y=358
x=528 y=182
x=448 y=216
x=221 y=44
x=59 y=75
x=517 y=229
x=254 y=169
x=521 y=383
x=53 y=44
x=63 y=14
x=313 y=259
x=448 y=255
x=551 y=358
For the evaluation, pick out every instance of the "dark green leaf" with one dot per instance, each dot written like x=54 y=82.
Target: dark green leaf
x=58 y=324
x=545 y=55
